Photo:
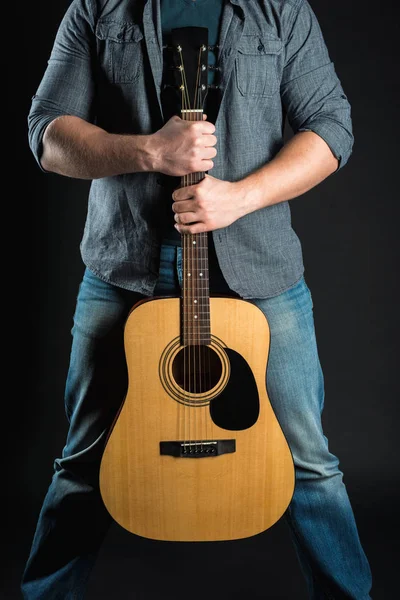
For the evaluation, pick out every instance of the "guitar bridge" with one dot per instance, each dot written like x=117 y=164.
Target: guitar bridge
x=198 y=448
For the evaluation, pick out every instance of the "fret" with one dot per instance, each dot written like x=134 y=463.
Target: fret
x=194 y=322
x=200 y=308
x=192 y=335
x=199 y=322
x=197 y=305
x=195 y=242
x=197 y=308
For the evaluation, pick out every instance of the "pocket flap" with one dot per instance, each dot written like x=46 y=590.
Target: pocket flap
x=258 y=44
x=118 y=31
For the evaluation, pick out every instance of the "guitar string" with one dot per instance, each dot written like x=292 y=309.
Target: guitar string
x=205 y=302
x=202 y=295
x=196 y=251
x=186 y=376
x=202 y=284
x=189 y=290
x=193 y=322
x=194 y=291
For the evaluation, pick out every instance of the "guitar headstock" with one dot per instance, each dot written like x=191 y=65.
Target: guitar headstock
x=188 y=68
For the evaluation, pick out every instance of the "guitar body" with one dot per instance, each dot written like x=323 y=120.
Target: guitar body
x=196 y=452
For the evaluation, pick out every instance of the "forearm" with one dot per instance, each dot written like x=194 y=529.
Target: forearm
x=75 y=148
x=303 y=162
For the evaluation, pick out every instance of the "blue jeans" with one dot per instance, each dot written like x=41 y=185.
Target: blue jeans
x=73 y=521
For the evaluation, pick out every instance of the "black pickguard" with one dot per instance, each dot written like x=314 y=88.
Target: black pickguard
x=237 y=407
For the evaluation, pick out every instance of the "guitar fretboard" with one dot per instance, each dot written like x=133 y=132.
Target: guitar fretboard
x=195 y=290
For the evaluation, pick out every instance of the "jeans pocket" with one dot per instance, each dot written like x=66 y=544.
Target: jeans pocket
x=179 y=265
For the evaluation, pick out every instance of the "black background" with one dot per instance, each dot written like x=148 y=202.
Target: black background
x=348 y=227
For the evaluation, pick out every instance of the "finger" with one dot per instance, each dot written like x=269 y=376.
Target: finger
x=191 y=229
x=183 y=193
x=209 y=140
x=186 y=218
x=210 y=152
x=182 y=206
x=208 y=127
x=207 y=165
x=205 y=126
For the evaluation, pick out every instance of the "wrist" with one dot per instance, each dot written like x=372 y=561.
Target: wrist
x=150 y=153
x=251 y=196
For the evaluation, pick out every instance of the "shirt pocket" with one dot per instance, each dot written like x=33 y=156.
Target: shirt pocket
x=257 y=65
x=121 y=50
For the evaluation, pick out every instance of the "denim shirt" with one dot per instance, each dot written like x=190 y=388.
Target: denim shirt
x=106 y=67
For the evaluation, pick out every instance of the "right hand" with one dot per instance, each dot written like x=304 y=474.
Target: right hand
x=183 y=147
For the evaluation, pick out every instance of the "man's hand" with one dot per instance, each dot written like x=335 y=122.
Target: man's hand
x=208 y=205
x=182 y=147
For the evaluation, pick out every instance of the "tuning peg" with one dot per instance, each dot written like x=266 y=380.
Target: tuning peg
x=172 y=48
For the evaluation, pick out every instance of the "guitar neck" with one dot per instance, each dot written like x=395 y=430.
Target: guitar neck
x=195 y=284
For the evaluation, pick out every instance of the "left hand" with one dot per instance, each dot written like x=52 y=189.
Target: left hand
x=210 y=204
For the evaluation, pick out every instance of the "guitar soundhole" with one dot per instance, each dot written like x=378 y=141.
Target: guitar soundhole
x=196 y=369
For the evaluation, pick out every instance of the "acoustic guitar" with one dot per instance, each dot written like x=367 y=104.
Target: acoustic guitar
x=196 y=452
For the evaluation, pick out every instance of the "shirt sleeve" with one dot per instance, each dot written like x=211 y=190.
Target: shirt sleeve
x=311 y=91
x=67 y=86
